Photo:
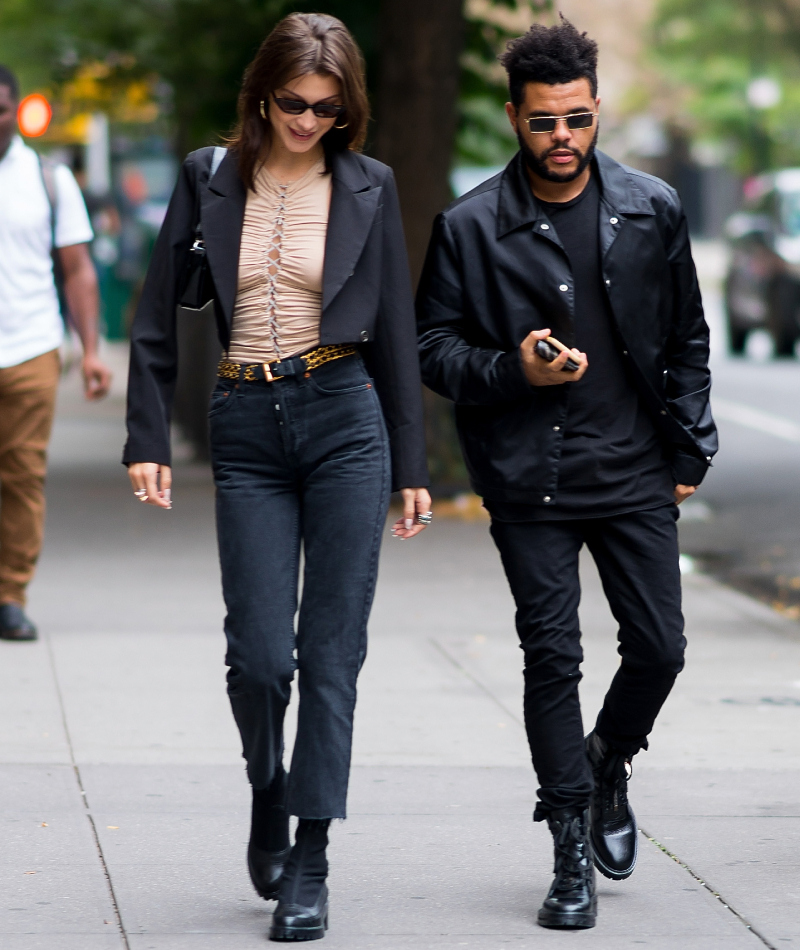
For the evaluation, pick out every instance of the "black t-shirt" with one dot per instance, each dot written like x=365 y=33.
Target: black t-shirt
x=611 y=458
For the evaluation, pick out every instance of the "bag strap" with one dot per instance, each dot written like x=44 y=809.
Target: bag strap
x=216 y=160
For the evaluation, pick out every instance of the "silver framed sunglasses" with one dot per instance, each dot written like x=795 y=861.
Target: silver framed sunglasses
x=542 y=124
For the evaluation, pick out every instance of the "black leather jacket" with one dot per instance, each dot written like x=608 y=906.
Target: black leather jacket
x=496 y=270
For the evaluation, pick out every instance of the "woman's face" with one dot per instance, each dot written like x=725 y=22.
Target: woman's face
x=300 y=133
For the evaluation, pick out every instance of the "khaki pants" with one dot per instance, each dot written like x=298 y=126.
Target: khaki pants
x=27 y=405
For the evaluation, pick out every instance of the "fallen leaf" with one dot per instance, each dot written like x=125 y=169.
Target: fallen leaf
x=113 y=827
x=29 y=872
x=44 y=824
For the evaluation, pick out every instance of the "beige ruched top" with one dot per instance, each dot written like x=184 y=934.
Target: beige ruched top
x=279 y=296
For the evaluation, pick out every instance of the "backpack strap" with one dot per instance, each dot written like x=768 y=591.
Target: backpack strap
x=47 y=171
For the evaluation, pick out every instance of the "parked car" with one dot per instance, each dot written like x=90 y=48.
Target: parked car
x=762 y=287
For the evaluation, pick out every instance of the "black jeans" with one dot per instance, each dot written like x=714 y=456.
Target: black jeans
x=302 y=459
x=637 y=558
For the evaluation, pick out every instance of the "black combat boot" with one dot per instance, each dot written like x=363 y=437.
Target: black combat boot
x=302 y=911
x=615 y=836
x=571 y=902
x=268 y=850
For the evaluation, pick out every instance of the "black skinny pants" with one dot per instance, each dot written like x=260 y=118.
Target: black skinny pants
x=637 y=558
x=300 y=460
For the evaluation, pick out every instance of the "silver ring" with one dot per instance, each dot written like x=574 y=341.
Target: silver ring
x=141 y=494
x=425 y=517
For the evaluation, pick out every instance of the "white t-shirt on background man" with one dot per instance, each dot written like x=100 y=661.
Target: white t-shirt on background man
x=30 y=319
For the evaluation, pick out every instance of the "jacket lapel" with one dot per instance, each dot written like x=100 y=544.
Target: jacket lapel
x=354 y=202
x=222 y=205
x=620 y=197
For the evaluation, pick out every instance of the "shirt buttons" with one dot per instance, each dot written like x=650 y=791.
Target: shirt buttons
x=663 y=412
x=708 y=458
x=614 y=220
x=545 y=227
x=556 y=428
x=364 y=336
x=608 y=283
x=547 y=498
x=624 y=352
x=563 y=287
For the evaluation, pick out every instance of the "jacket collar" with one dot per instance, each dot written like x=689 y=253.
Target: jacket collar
x=222 y=215
x=354 y=202
x=518 y=206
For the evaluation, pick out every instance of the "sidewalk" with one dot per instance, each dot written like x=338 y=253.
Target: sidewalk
x=125 y=805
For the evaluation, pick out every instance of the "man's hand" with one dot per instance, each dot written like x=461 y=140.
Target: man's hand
x=96 y=377
x=539 y=372
x=80 y=286
x=682 y=492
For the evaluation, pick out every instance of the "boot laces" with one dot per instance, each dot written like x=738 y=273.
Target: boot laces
x=571 y=859
x=615 y=776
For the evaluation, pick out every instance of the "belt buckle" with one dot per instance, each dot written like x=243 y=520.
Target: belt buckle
x=268 y=376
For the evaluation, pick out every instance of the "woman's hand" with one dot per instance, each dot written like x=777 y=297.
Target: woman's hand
x=416 y=501
x=152 y=483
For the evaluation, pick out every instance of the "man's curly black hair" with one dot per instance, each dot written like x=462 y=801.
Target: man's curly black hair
x=552 y=55
x=7 y=78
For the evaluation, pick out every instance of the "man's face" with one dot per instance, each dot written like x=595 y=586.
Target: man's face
x=8 y=118
x=563 y=154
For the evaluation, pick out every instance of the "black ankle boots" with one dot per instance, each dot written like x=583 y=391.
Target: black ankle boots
x=571 y=902
x=268 y=850
x=615 y=837
x=302 y=911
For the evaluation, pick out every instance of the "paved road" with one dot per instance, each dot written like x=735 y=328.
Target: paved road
x=745 y=525
x=124 y=802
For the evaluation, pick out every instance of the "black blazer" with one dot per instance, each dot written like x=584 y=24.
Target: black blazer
x=366 y=298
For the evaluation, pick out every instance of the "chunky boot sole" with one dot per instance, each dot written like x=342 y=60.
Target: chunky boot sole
x=556 y=921
x=291 y=934
x=613 y=874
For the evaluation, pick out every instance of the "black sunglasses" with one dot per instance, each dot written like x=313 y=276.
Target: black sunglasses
x=322 y=110
x=547 y=123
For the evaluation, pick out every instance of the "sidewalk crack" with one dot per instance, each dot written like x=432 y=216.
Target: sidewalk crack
x=76 y=770
x=470 y=676
x=740 y=917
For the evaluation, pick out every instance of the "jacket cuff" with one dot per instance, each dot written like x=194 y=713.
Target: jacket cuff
x=511 y=376
x=409 y=459
x=688 y=469
x=154 y=452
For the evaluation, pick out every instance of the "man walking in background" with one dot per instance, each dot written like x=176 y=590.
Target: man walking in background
x=593 y=447
x=31 y=331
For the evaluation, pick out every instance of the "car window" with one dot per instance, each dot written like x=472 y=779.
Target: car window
x=790 y=213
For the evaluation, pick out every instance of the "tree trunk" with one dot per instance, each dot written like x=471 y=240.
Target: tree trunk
x=420 y=47
x=421 y=42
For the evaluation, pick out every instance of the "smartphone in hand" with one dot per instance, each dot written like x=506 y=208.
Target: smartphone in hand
x=550 y=348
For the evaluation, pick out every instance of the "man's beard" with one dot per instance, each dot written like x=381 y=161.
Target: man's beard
x=539 y=165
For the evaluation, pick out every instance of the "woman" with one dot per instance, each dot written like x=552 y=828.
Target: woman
x=313 y=301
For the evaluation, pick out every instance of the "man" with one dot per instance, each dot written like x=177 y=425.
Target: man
x=569 y=243
x=31 y=331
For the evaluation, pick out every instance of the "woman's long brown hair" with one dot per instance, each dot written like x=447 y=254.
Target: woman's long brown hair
x=300 y=44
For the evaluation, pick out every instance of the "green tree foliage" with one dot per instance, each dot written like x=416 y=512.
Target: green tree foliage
x=198 y=47
x=712 y=51
x=484 y=135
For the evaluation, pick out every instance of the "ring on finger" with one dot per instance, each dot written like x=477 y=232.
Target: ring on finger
x=141 y=493
x=424 y=517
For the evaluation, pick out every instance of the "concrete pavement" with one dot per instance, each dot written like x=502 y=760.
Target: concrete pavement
x=125 y=806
